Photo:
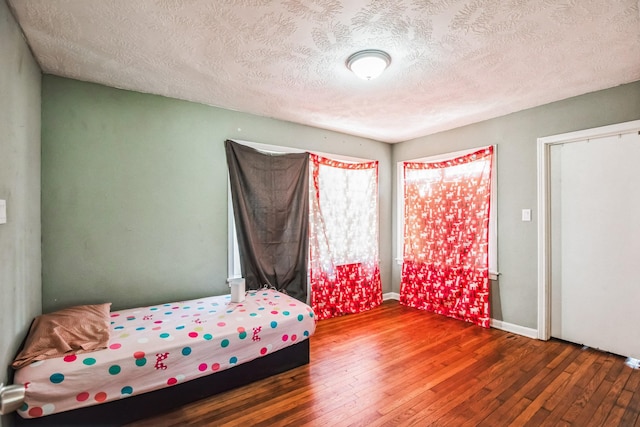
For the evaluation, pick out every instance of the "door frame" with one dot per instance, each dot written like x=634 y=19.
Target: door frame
x=544 y=210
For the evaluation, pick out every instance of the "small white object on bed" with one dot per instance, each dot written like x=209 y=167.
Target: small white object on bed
x=237 y=289
x=159 y=346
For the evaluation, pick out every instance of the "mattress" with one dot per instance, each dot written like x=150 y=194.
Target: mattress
x=163 y=345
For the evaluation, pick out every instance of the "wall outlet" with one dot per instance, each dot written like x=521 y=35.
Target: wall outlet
x=3 y=211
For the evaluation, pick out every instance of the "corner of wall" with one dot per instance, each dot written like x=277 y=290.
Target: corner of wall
x=20 y=250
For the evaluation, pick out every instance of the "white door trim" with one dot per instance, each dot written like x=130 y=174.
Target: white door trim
x=544 y=209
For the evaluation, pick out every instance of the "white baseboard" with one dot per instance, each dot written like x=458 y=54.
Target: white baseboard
x=516 y=329
x=497 y=324
x=391 y=295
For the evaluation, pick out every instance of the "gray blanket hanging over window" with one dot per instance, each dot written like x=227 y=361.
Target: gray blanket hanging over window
x=270 y=194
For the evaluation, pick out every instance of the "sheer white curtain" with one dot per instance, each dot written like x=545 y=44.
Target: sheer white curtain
x=344 y=260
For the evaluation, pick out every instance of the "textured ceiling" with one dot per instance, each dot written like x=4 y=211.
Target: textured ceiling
x=454 y=62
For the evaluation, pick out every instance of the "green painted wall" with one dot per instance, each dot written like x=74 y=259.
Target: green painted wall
x=20 y=279
x=514 y=295
x=134 y=192
x=135 y=199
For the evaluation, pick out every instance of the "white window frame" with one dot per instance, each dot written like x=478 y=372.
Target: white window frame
x=493 y=204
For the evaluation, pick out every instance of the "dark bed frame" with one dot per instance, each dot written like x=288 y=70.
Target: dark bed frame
x=120 y=412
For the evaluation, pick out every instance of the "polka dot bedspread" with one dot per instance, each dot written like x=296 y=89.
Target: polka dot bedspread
x=167 y=344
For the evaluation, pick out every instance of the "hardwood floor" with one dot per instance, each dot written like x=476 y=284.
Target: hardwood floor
x=399 y=366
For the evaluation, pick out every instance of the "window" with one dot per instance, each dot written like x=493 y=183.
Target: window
x=233 y=254
x=233 y=260
x=493 y=217
x=447 y=207
x=344 y=245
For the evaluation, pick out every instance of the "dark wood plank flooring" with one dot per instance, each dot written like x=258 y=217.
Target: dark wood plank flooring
x=399 y=366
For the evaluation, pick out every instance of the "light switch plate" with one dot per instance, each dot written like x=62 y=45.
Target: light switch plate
x=3 y=211
x=526 y=214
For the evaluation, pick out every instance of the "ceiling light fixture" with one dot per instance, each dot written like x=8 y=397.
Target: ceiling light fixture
x=368 y=64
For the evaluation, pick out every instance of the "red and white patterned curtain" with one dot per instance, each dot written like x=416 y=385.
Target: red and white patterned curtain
x=446 y=236
x=344 y=264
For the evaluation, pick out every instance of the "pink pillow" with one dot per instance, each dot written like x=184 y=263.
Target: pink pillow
x=79 y=329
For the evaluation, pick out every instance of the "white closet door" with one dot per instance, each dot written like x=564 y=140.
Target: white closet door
x=595 y=216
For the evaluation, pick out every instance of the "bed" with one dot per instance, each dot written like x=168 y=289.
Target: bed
x=163 y=356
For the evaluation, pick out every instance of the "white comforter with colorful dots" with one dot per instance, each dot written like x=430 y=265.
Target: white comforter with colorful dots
x=162 y=345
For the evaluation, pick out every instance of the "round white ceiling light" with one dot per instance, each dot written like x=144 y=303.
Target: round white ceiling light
x=368 y=64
